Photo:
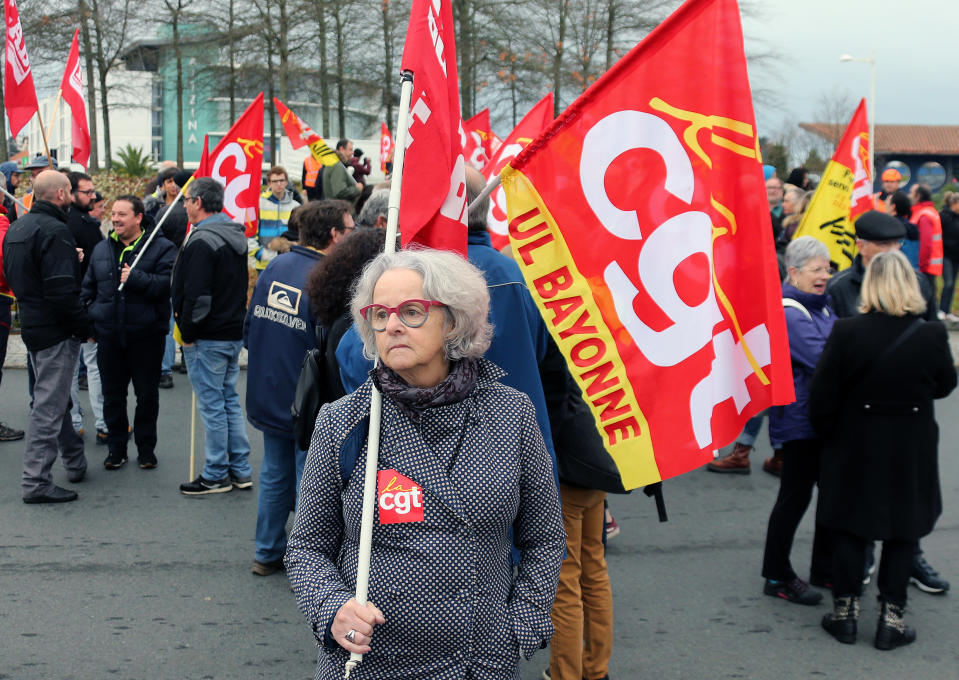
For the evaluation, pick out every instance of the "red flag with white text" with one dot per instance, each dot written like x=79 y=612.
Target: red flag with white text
x=433 y=204
x=386 y=147
x=71 y=88
x=640 y=221
x=528 y=129
x=19 y=94
x=478 y=140
x=237 y=164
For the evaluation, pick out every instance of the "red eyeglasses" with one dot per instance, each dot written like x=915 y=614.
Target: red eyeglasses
x=413 y=313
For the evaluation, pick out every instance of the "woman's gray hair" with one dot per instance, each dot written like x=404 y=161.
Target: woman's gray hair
x=801 y=250
x=447 y=278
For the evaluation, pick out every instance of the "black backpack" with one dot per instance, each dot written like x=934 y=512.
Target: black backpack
x=311 y=392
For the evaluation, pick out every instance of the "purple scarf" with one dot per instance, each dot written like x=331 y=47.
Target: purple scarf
x=414 y=400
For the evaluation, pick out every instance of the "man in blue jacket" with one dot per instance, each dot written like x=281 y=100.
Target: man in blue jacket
x=130 y=326
x=278 y=332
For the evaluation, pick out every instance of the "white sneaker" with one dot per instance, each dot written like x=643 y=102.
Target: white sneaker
x=941 y=314
x=952 y=318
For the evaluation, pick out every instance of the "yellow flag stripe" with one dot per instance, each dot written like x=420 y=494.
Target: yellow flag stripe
x=569 y=308
x=827 y=217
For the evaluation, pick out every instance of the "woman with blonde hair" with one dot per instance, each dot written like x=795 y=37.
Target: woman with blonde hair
x=871 y=401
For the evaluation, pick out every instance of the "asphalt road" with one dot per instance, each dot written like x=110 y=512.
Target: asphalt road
x=136 y=581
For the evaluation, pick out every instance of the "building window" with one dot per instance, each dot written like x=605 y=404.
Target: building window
x=932 y=174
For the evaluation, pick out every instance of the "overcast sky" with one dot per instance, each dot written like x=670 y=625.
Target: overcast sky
x=916 y=50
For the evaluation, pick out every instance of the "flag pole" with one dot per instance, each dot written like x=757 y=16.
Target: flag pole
x=14 y=199
x=56 y=108
x=46 y=145
x=376 y=399
x=155 y=231
x=487 y=190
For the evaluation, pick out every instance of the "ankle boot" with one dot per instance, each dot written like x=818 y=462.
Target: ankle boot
x=841 y=623
x=737 y=461
x=774 y=465
x=892 y=630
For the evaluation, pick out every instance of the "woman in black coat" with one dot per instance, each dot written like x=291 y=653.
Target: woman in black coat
x=871 y=400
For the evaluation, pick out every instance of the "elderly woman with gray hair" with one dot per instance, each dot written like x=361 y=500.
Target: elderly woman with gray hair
x=462 y=462
x=808 y=323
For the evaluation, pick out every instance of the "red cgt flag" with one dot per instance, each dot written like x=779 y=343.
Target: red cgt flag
x=532 y=125
x=20 y=96
x=640 y=221
x=237 y=164
x=301 y=134
x=386 y=147
x=71 y=88
x=433 y=206
x=478 y=140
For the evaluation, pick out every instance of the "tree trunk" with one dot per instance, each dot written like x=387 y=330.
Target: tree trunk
x=91 y=85
x=102 y=69
x=324 y=70
x=558 y=57
x=178 y=56
x=283 y=50
x=271 y=93
x=610 y=25
x=388 y=75
x=340 y=74
x=465 y=49
x=232 y=53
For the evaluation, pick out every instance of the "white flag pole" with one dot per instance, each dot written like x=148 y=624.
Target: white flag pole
x=156 y=230
x=376 y=400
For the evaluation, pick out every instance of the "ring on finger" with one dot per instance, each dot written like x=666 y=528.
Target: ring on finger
x=350 y=635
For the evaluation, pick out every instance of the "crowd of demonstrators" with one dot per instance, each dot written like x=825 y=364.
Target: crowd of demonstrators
x=871 y=399
x=461 y=456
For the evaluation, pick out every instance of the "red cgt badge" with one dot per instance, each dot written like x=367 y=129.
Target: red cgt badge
x=399 y=498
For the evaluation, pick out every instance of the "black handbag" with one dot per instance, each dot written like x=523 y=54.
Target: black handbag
x=311 y=392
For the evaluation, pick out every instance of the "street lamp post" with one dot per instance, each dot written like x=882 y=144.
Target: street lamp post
x=872 y=106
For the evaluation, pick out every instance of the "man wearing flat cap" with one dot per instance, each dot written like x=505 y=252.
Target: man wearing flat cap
x=876 y=233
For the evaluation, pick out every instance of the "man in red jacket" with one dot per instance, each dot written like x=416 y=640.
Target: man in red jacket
x=926 y=218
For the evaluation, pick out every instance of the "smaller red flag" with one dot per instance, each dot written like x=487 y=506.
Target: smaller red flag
x=19 y=94
x=386 y=147
x=71 y=88
x=478 y=138
x=528 y=129
x=237 y=164
x=301 y=134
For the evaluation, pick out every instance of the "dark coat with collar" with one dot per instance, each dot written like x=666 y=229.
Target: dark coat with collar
x=142 y=308
x=844 y=287
x=879 y=475
x=41 y=265
x=453 y=607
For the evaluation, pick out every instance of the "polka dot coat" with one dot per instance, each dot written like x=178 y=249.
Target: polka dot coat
x=454 y=606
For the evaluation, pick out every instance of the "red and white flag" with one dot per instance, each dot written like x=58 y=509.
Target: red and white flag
x=640 y=222
x=19 y=94
x=300 y=134
x=433 y=206
x=478 y=140
x=528 y=129
x=237 y=164
x=71 y=88
x=386 y=147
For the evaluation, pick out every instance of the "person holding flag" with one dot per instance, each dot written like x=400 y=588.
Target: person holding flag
x=461 y=462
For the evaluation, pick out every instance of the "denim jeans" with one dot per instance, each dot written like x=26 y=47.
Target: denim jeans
x=213 y=369
x=169 y=351
x=88 y=358
x=279 y=480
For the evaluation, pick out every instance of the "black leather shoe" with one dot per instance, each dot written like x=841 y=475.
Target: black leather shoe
x=55 y=495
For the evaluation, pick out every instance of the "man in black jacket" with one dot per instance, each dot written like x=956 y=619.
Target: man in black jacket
x=42 y=266
x=130 y=326
x=210 y=281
